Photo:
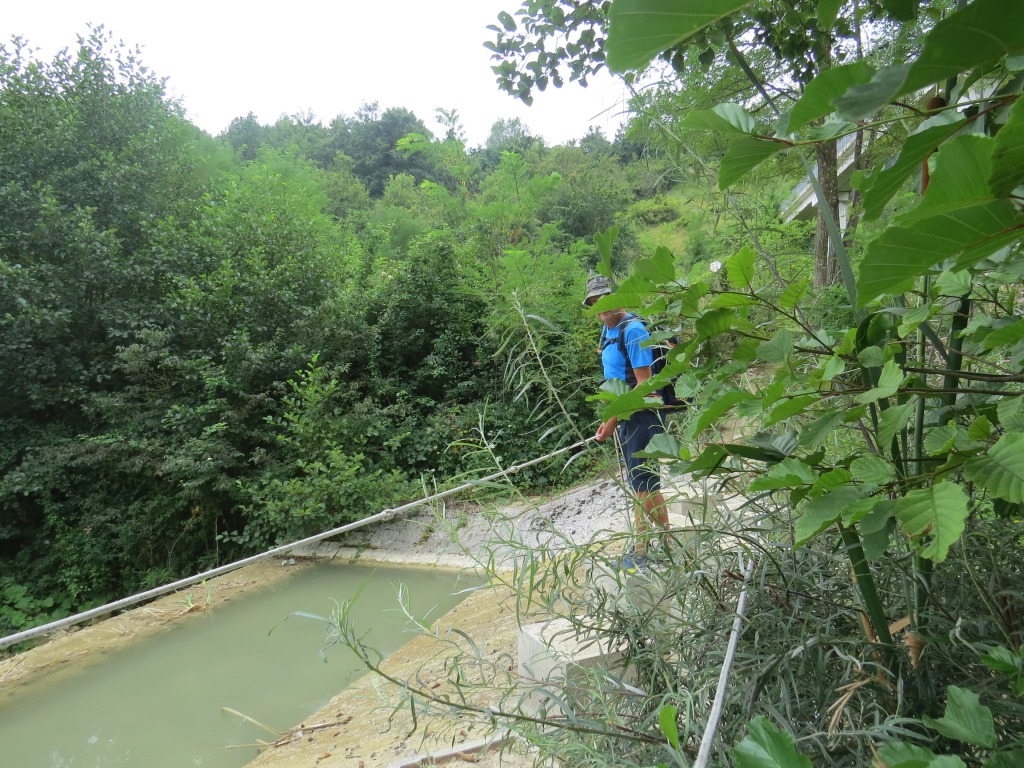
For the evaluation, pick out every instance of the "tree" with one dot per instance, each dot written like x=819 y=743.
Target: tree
x=371 y=139
x=923 y=451
x=507 y=135
x=246 y=135
x=91 y=155
x=737 y=34
x=552 y=38
x=591 y=191
x=346 y=192
x=92 y=158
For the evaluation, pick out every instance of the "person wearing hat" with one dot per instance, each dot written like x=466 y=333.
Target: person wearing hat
x=636 y=431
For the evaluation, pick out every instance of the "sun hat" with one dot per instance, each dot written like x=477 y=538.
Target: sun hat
x=597 y=285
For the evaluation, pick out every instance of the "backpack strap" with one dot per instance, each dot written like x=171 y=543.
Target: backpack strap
x=630 y=376
x=667 y=393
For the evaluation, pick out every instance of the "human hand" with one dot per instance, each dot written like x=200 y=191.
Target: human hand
x=606 y=430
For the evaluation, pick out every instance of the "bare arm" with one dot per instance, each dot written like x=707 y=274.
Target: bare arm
x=642 y=374
x=608 y=428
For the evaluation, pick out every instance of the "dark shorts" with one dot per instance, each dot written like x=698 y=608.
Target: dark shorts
x=634 y=435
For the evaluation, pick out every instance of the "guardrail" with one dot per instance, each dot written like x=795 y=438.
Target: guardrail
x=387 y=514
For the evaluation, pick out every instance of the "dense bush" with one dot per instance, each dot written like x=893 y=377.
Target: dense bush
x=657 y=210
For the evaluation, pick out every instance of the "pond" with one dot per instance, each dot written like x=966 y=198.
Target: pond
x=165 y=701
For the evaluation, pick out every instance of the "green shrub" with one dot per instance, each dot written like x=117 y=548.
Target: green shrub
x=649 y=213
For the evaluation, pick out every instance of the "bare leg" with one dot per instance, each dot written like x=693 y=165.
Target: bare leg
x=649 y=508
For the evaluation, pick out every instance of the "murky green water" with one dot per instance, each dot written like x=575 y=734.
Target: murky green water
x=160 y=703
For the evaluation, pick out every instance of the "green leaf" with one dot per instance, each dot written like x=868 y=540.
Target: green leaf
x=832 y=479
x=874 y=531
x=659 y=269
x=965 y=719
x=1004 y=334
x=791 y=296
x=731 y=301
x=1001 y=470
x=959 y=180
x=1012 y=759
x=952 y=283
x=877 y=329
x=872 y=470
x=768 y=747
x=791 y=407
x=859 y=509
x=940 y=440
x=902 y=254
x=790 y=473
x=667 y=720
x=633 y=293
x=980 y=429
x=1008 y=157
x=900 y=754
x=1003 y=660
x=814 y=434
x=772 y=393
x=831 y=129
x=507 y=21
x=819 y=94
x=772 y=446
x=778 y=348
x=1010 y=411
x=888 y=384
x=714 y=323
x=879 y=188
x=708 y=460
x=892 y=421
x=833 y=366
x=818 y=514
x=639 y=30
x=741 y=268
x=723 y=118
x=721 y=405
x=913 y=318
x=828 y=10
x=902 y=10
x=861 y=101
x=975 y=35
x=605 y=241
x=662 y=446
x=745 y=155
x=933 y=517
x=871 y=357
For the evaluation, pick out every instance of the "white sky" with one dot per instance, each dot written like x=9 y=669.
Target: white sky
x=224 y=59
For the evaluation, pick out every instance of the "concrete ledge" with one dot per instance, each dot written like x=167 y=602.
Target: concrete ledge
x=461 y=751
x=553 y=660
x=365 y=556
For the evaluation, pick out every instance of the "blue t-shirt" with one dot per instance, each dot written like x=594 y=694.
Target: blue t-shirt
x=611 y=356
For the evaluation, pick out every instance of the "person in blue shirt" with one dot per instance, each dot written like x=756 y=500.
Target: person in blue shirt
x=636 y=431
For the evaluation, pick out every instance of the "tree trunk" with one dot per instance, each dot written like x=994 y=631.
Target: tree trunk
x=826 y=269
x=853 y=205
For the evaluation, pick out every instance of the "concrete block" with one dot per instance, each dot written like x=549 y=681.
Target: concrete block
x=553 y=658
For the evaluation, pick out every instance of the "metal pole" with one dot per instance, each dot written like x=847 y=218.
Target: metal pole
x=704 y=753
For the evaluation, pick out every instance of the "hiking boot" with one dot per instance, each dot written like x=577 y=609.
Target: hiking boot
x=634 y=562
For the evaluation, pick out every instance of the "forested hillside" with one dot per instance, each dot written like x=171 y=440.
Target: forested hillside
x=214 y=345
